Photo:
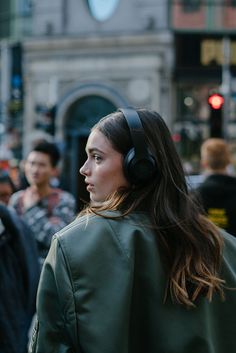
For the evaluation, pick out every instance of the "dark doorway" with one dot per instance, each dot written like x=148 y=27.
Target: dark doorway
x=81 y=116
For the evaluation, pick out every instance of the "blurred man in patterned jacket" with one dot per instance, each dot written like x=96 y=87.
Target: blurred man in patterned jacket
x=44 y=208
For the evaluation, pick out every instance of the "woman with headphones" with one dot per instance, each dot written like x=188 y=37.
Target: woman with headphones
x=140 y=270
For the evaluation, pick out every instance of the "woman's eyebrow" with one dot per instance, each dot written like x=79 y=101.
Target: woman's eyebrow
x=94 y=149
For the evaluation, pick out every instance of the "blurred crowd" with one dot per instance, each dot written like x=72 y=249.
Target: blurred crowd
x=32 y=209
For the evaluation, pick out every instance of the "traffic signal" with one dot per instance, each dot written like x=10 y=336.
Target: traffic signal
x=16 y=96
x=216 y=103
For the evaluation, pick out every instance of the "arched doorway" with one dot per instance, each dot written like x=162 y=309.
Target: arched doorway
x=80 y=117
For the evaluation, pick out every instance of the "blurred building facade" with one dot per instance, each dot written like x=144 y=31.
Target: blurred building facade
x=82 y=60
x=64 y=64
x=205 y=64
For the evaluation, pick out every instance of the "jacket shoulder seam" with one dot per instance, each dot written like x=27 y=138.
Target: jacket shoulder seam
x=117 y=239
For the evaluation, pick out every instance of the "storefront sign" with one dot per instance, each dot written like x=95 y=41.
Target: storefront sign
x=212 y=52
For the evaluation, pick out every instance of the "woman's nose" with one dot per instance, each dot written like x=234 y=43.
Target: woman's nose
x=84 y=170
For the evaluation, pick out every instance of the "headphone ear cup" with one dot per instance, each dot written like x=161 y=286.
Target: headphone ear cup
x=128 y=163
x=139 y=170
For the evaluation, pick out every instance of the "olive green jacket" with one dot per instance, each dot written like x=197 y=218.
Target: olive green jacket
x=102 y=288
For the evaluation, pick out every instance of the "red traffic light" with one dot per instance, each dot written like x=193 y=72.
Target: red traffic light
x=216 y=101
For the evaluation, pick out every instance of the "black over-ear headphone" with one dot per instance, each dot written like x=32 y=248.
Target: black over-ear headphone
x=139 y=164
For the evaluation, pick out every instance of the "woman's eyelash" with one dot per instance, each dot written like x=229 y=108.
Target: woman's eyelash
x=97 y=157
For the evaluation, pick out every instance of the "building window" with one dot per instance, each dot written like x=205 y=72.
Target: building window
x=102 y=10
x=191 y=5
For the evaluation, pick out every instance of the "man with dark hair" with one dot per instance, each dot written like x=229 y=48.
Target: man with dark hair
x=217 y=193
x=50 y=149
x=44 y=208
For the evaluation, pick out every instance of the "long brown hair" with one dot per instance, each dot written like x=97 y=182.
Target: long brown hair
x=191 y=246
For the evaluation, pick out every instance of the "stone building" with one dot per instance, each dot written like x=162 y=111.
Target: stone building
x=86 y=58
x=81 y=59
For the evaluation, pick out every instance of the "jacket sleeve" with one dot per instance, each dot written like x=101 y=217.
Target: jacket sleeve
x=55 y=327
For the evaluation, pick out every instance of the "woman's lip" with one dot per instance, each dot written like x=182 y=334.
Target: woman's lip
x=89 y=187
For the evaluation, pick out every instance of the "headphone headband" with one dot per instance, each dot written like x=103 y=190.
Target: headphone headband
x=136 y=130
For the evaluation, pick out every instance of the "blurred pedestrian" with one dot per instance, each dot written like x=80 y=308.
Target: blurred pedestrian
x=7 y=187
x=44 y=208
x=140 y=270
x=19 y=273
x=217 y=193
